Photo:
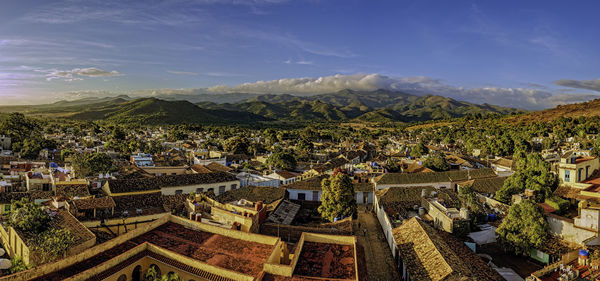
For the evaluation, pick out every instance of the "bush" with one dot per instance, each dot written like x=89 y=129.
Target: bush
x=561 y=205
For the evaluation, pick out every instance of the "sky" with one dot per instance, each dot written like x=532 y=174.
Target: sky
x=526 y=54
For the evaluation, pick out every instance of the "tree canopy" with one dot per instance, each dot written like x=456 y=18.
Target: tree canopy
x=282 y=160
x=92 y=164
x=437 y=162
x=524 y=228
x=534 y=173
x=419 y=150
x=338 y=197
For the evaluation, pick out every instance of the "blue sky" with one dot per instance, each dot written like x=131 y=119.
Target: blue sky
x=532 y=54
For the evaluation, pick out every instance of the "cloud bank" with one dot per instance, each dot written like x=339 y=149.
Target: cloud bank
x=526 y=98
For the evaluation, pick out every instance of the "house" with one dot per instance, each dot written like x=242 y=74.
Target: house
x=142 y=160
x=485 y=186
x=439 y=180
x=310 y=190
x=205 y=160
x=40 y=180
x=392 y=205
x=503 y=166
x=249 y=179
x=217 y=182
x=423 y=253
x=577 y=166
x=285 y=177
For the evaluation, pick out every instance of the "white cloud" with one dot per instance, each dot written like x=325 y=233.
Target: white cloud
x=182 y=72
x=77 y=73
x=580 y=84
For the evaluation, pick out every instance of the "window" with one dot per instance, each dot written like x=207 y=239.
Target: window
x=199 y=190
x=123 y=277
x=7 y=208
x=315 y=195
x=233 y=186
x=301 y=196
x=221 y=189
x=567 y=176
x=178 y=191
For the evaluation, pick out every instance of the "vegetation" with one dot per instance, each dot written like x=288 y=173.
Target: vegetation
x=17 y=265
x=52 y=244
x=49 y=243
x=559 y=204
x=419 y=150
x=92 y=164
x=524 y=228
x=28 y=216
x=468 y=199
x=282 y=160
x=337 y=198
x=533 y=173
x=437 y=162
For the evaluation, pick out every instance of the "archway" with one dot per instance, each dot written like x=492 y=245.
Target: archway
x=136 y=275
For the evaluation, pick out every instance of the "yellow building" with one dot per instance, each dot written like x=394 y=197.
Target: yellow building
x=577 y=166
x=197 y=251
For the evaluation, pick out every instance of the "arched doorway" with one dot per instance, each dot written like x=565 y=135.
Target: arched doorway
x=153 y=273
x=136 y=275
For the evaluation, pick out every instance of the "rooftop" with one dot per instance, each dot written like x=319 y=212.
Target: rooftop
x=147 y=184
x=450 y=176
x=432 y=255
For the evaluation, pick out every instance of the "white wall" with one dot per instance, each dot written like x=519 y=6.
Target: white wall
x=567 y=231
x=386 y=225
x=192 y=188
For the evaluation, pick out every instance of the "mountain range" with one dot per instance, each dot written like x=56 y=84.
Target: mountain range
x=344 y=105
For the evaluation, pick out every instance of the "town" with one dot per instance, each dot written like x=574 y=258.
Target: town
x=458 y=201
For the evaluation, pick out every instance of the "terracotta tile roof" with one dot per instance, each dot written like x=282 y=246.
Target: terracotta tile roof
x=331 y=164
x=65 y=220
x=323 y=260
x=286 y=174
x=566 y=192
x=416 y=168
x=149 y=203
x=487 y=185
x=450 y=176
x=7 y=197
x=216 y=167
x=313 y=183
x=241 y=256
x=146 y=184
x=73 y=190
x=253 y=193
x=94 y=203
x=200 y=169
x=397 y=201
x=432 y=255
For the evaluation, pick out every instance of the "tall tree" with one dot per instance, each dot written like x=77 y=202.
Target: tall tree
x=535 y=175
x=437 y=163
x=282 y=160
x=338 y=197
x=524 y=228
x=419 y=150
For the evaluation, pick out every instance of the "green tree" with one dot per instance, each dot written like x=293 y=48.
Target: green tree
x=282 y=160
x=535 y=175
x=28 y=216
x=419 y=150
x=468 y=199
x=338 y=197
x=437 y=163
x=524 y=228
x=92 y=164
x=19 y=128
x=236 y=145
